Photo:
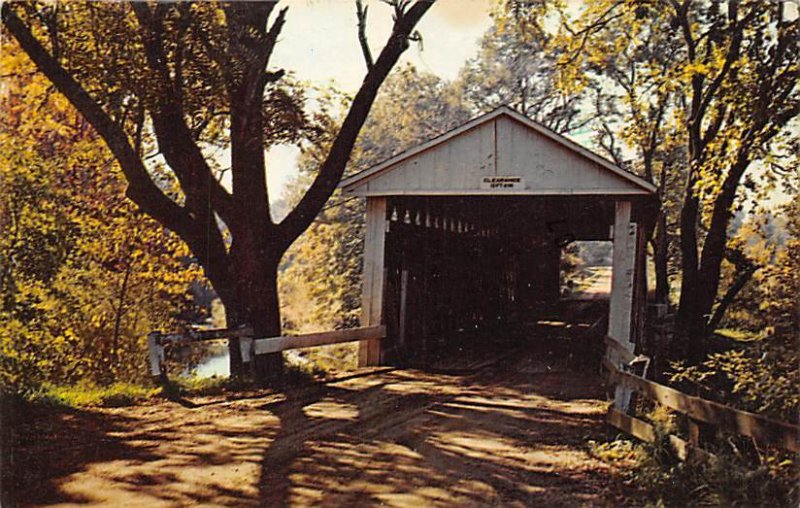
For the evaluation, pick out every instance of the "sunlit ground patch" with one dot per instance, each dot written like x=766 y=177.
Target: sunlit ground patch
x=332 y=409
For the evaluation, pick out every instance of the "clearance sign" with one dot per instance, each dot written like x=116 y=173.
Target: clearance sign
x=502 y=183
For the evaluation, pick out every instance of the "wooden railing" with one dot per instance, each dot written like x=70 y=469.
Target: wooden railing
x=158 y=342
x=615 y=348
x=249 y=346
x=764 y=431
x=284 y=343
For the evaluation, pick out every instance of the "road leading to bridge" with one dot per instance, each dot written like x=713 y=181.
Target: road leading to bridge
x=508 y=433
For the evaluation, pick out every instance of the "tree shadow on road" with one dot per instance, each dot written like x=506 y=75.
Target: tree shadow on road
x=499 y=436
x=430 y=439
x=42 y=442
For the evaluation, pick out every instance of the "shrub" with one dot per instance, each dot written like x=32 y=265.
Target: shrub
x=730 y=480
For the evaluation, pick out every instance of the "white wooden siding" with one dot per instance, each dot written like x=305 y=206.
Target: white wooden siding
x=500 y=146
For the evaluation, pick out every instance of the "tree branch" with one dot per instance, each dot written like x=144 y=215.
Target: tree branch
x=361 y=14
x=717 y=120
x=730 y=57
x=251 y=43
x=746 y=268
x=332 y=169
x=141 y=188
x=598 y=24
x=610 y=146
x=175 y=138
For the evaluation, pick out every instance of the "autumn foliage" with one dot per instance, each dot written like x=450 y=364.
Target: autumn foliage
x=84 y=275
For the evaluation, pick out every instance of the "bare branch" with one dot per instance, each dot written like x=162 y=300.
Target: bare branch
x=608 y=143
x=361 y=14
x=601 y=22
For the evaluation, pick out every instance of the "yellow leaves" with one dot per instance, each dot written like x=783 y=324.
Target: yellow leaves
x=96 y=320
x=696 y=68
x=73 y=238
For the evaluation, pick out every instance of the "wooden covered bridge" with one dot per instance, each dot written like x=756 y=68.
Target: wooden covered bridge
x=466 y=231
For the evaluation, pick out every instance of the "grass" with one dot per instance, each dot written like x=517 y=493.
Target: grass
x=199 y=386
x=86 y=394
x=92 y=395
x=301 y=368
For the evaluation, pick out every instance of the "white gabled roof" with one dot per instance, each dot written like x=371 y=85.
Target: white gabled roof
x=361 y=179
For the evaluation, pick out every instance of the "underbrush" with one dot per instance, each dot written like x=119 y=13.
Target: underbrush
x=763 y=378
x=727 y=481
x=732 y=478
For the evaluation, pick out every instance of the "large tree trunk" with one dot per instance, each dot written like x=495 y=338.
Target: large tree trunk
x=268 y=324
x=701 y=275
x=717 y=237
x=690 y=321
x=255 y=302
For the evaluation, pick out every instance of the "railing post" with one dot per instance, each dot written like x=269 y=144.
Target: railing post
x=156 y=353
x=620 y=322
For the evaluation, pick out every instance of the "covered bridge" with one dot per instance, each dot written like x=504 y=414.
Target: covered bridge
x=466 y=231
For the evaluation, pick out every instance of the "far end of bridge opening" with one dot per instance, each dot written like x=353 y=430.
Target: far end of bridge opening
x=468 y=237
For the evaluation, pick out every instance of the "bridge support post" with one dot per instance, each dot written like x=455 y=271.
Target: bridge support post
x=369 y=351
x=620 y=316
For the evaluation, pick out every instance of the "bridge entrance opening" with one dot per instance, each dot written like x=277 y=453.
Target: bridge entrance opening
x=488 y=269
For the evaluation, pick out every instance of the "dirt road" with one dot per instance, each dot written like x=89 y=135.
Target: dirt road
x=510 y=434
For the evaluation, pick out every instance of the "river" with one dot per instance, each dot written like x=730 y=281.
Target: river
x=217 y=365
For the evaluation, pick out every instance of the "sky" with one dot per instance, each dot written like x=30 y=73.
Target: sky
x=319 y=44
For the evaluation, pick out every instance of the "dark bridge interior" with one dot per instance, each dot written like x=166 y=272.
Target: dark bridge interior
x=468 y=271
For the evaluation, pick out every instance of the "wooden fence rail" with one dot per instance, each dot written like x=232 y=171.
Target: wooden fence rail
x=284 y=343
x=764 y=430
x=646 y=432
x=249 y=346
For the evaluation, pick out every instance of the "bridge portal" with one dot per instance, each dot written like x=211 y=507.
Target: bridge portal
x=464 y=233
